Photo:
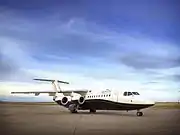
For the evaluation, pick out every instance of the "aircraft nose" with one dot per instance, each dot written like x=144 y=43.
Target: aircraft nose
x=145 y=101
x=149 y=102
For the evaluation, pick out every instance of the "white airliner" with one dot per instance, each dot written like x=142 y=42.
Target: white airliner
x=87 y=100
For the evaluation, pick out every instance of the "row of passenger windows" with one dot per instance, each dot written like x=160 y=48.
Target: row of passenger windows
x=93 y=96
x=130 y=93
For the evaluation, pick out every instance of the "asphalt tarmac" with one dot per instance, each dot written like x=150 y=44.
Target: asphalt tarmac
x=17 y=119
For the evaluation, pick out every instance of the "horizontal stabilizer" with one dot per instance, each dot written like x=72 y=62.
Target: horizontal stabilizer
x=49 y=80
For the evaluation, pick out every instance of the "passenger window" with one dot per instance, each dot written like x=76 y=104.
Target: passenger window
x=109 y=95
x=125 y=93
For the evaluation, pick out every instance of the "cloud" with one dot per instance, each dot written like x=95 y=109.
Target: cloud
x=87 y=53
x=13 y=60
x=143 y=61
x=176 y=77
x=6 y=67
x=78 y=38
x=79 y=41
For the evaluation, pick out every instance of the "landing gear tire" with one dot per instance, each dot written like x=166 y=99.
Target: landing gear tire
x=139 y=113
x=73 y=108
x=74 y=111
x=92 y=111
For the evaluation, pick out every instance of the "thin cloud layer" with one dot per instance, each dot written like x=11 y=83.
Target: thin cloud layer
x=84 y=48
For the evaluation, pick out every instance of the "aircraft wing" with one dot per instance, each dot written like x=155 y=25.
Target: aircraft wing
x=69 y=92
x=52 y=93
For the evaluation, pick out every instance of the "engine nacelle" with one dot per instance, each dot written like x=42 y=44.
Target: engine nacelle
x=64 y=101
x=81 y=100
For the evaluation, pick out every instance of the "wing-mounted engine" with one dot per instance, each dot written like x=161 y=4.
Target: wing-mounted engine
x=81 y=100
x=64 y=101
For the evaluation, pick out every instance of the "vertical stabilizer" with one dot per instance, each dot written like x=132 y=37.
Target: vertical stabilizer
x=56 y=86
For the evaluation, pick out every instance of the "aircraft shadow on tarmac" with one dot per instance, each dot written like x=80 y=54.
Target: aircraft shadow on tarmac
x=108 y=113
x=129 y=114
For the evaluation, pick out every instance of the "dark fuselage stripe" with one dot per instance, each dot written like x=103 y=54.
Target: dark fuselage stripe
x=100 y=104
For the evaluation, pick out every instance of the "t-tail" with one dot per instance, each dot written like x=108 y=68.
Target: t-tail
x=55 y=83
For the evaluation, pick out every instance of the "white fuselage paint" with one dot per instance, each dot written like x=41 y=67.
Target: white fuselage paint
x=110 y=96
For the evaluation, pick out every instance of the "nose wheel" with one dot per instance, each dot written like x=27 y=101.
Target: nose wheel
x=139 y=113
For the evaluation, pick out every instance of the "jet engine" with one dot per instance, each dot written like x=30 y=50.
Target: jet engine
x=81 y=100
x=64 y=101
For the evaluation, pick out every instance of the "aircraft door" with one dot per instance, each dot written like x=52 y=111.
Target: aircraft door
x=131 y=97
x=128 y=97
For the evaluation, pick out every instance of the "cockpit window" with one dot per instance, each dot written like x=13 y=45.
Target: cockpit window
x=129 y=93
x=125 y=93
x=135 y=93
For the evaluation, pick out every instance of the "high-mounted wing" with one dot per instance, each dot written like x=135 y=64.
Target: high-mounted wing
x=69 y=92
x=56 y=89
x=51 y=93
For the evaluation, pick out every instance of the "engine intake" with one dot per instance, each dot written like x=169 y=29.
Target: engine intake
x=64 y=101
x=81 y=100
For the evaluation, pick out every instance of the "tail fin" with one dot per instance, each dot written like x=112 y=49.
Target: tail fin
x=54 y=83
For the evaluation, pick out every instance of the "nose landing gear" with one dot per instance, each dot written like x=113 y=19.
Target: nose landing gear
x=139 y=113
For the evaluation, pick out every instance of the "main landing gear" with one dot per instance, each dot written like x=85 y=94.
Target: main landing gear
x=73 y=108
x=139 y=113
x=92 y=111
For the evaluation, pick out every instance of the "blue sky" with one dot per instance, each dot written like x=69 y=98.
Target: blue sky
x=93 y=44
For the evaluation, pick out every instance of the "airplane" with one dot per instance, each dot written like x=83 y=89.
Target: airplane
x=76 y=100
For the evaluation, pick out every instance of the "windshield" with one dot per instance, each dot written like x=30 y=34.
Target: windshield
x=130 y=93
x=135 y=93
